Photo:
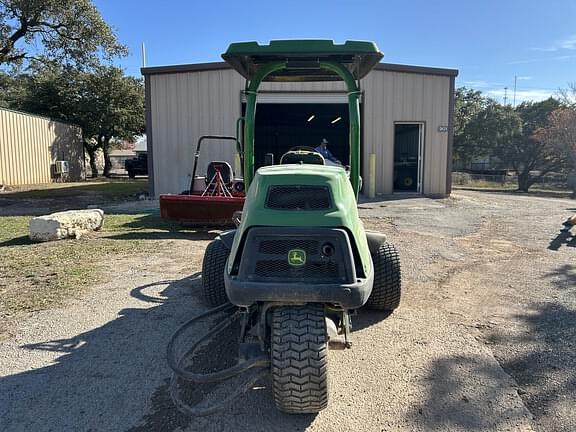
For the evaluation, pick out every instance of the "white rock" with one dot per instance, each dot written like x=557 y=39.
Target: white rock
x=61 y=225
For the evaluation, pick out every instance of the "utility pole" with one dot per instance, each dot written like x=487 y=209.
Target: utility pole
x=505 y=95
x=143 y=55
x=515 y=80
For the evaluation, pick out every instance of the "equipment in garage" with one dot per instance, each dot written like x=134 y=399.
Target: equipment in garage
x=281 y=126
x=407 y=138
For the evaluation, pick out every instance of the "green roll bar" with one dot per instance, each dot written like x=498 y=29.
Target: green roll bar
x=353 y=107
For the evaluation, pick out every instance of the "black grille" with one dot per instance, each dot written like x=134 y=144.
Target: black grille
x=281 y=247
x=325 y=256
x=270 y=262
x=327 y=271
x=298 y=197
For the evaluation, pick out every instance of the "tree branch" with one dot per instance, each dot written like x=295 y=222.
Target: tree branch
x=8 y=46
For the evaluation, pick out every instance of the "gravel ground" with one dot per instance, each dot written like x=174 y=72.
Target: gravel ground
x=484 y=339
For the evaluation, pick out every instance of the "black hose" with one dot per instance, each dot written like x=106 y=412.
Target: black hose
x=180 y=372
x=216 y=330
x=200 y=412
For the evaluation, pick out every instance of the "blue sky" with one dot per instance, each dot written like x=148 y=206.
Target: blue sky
x=488 y=41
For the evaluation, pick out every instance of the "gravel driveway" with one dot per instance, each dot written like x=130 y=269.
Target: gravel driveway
x=484 y=339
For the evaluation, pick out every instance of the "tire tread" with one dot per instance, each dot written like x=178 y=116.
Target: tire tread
x=299 y=359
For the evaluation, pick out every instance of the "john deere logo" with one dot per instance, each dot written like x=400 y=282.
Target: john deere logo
x=296 y=257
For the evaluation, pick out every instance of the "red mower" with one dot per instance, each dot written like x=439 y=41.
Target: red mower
x=212 y=199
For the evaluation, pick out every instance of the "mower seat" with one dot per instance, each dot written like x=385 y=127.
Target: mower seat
x=225 y=171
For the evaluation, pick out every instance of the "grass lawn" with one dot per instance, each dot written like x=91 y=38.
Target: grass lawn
x=36 y=276
x=106 y=188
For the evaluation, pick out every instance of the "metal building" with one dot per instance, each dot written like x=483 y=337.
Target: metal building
x=36 y=149
x=407 y=118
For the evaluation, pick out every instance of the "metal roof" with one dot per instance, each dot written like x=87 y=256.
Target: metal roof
x=201 y=67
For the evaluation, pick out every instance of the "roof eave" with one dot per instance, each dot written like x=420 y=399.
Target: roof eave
x=203 y=67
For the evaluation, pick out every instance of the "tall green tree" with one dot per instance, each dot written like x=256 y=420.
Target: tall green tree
x=468 y=104
x=112 y=107
x=104 y=102
x=66 y=31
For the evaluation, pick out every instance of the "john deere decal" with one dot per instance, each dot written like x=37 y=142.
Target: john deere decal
x=296 y=257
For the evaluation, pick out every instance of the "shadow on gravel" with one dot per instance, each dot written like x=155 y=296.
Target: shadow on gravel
x=545 y=364
x=367 y=317
x=453 y=403
x=541 y=358
x=150 y=226
x=115 y=377
x=165 y=235
x=564 y=277
x=564 y=238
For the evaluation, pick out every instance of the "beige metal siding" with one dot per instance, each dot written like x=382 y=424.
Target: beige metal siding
x=29 y=145
x=185 y=106
x=391 y=97
x=189 y=104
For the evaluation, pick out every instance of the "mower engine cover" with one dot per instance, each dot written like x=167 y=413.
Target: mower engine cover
x=300 y=240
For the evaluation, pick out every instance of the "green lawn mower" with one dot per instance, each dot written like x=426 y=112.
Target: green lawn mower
x=299 y=263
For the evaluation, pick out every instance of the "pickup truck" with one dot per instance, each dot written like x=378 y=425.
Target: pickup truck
x=137 y=166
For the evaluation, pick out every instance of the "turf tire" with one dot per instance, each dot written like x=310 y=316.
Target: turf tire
x=387 y=286
x=213 y=266
x=299 y=359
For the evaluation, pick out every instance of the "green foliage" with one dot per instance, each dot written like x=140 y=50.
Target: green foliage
x=12 y=88
x=467 y=105
x=494 y=127
x=535 y=114
x=105 y=103
x=67 y=31
x=483 y=127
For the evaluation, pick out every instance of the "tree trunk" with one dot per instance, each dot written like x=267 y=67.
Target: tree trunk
x=107 y=162
x=524 y=181
x=93 y=166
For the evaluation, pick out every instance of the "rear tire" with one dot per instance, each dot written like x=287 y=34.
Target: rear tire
x=213 y=267
x=387 y=287
x=299 y=359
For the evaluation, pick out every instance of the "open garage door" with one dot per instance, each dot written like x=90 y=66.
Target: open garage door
x=288 y=120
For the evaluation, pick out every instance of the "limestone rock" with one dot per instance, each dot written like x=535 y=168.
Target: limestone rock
x=61 y=225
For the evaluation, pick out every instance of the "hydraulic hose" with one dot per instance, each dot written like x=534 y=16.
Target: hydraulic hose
x=224 y=374
x=200 y=412
x=179 y=372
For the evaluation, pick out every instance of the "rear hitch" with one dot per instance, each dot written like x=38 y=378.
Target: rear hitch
x=338 y=341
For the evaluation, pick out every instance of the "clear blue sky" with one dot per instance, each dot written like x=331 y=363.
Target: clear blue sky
x=489 y=41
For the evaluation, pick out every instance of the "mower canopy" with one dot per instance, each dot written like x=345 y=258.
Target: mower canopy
x=303 y=58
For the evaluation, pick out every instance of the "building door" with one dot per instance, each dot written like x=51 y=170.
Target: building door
x=408 y=145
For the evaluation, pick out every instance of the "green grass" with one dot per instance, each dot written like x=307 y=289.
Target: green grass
x=104 y=188
x=37 y=276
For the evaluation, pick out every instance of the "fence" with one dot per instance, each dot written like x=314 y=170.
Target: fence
x=557 y=181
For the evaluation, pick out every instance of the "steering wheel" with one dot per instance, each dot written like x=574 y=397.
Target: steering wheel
x=306 y=148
